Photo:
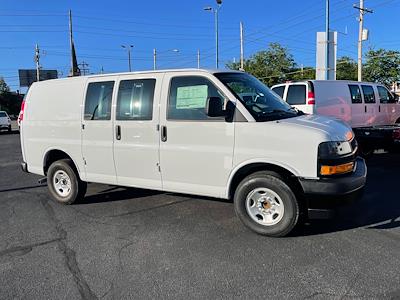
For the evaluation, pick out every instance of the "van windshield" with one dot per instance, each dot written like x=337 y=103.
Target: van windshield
x=260 y=101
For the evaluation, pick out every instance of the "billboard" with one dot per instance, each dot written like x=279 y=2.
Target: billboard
x=28 y=76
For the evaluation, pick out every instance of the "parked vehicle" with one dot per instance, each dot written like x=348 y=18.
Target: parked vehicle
x=190 y=131
x=19 y=121
x=5 y=121
x=370 y=108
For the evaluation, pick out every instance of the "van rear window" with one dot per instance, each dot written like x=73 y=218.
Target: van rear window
x=355 y=93
x=296 y=94
x=98 y=100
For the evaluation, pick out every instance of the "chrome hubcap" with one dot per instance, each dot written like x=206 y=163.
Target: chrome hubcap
x=62 y=183
x=265 y=206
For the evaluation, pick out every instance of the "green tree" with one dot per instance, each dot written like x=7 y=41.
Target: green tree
x=382 y=66
x=269 y=65
x=10 y=102
x=3 y=86
x=346 y=68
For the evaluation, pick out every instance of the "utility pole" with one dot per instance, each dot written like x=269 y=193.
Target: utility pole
x=198 y=58
x=37 y=60
x=74 y=64
x=363 y=11
x=154 y=58
x=71 y=44
x=327 y=42
x=241 y=48
x=84 y=68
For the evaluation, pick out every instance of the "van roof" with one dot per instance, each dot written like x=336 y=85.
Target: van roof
x=346 y=81
x=314 y=80
x=194 y=70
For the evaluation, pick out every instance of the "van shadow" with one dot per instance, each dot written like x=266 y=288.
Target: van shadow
x=116 y=193
x=379 y=207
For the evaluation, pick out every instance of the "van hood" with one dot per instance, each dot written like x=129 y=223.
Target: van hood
x=336 y=129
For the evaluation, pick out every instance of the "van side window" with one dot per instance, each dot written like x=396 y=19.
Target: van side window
x=279 y=90
x=384 y=95
x=135 y=99
x=369 y=95
x=296 y=94
x=188 y=97
x=355 y=93
x=98 y=100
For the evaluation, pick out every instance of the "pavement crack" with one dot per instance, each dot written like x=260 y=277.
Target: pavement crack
x=147 y=209
x=69 y=254
x=22 y=250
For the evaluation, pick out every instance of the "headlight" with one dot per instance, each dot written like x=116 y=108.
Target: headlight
x=336 y=158
x=329 y=150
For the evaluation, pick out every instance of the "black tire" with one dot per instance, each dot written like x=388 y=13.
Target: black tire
x=9 y=128
x=274 y=182
x=77 y=189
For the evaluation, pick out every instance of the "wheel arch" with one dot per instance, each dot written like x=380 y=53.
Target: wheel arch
x=248 y=168
x=53 y=155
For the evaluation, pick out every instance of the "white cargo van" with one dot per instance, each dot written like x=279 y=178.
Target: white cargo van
x=370 y=108
x=190 y=131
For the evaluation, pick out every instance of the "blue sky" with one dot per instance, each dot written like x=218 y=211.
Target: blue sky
x=100 y=27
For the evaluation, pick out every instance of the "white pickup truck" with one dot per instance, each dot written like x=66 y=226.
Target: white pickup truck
x=5 y=121
x=190 y=131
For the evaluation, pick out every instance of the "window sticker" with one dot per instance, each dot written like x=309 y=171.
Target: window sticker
x=188 y=97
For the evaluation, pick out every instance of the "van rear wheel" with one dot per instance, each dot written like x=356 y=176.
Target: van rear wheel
x=265 y=203
x=63 y=182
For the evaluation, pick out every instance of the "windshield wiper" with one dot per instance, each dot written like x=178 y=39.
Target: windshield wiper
x=277 y=111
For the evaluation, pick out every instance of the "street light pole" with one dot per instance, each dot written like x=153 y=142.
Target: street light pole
x=216 y=39
x=128 y=48
x=215 y=11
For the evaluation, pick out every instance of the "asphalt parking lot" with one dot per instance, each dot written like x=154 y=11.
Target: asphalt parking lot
x=124 y=243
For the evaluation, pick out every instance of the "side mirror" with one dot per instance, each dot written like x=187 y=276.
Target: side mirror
x=214 y=107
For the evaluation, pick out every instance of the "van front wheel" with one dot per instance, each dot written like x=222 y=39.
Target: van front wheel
x=266 y=204
x=63 y=182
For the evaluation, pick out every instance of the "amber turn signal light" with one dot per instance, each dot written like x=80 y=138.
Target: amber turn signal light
x=339 y=169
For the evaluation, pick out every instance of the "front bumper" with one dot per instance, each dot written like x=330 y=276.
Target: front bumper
x=337 y=186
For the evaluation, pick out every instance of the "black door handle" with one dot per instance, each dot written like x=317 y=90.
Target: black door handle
x=163 y=133
x=118 y=132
